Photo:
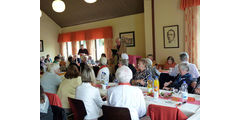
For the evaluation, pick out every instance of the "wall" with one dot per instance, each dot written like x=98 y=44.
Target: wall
x=148 y=26
x=49 y=31
x=121 y=24
x=166 y=12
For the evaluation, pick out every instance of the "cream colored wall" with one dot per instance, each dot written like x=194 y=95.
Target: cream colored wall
x=148 y=26
x=168 y=12
x=121 y=24
x=49 y=31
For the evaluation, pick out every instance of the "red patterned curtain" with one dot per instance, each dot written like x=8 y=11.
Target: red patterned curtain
x=107 y=47
x=192 y=12
x=91 y=34
x=91 y=47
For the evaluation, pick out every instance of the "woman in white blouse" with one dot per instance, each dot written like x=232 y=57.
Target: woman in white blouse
x=89 y=95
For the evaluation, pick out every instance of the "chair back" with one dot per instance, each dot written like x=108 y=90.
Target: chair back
x=78 y=108
x=158 y=112
x=58 y=113
x=54 y=99
x=115 y=113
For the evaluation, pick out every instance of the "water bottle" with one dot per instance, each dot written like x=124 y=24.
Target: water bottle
x=184 y=90
x=115 y=80
x=150 y=85
x=156 y=87
x=103 y=78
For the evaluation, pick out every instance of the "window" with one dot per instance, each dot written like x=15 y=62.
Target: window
x=69 y=48
x=79 y=43
x=99 y=43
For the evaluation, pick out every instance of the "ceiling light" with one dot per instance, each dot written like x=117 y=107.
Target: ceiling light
x=90 y=1
x=58 y=6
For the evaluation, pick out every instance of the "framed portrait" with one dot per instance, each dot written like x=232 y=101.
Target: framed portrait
x=41 y=46
x=129 y=38
x=171 y=36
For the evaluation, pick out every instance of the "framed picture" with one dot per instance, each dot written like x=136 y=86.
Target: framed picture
x=129 y=38
x=41 y=46
x=171 y=36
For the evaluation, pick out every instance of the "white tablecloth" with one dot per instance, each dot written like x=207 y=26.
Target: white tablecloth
x=187 y=108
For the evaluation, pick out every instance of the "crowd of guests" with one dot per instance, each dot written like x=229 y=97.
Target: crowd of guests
x=81 y=78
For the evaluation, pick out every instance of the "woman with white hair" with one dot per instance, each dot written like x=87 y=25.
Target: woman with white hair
x=103 y=73
x=153 y=70
x=184 y=75
x=125 y=95
x=50 y=80
x=89 y=94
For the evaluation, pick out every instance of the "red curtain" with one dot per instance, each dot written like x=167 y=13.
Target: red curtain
x=91 y=34
x=189 y=3
x=192 y=14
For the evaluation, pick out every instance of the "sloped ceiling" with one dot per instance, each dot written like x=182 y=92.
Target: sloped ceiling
x=79 y=12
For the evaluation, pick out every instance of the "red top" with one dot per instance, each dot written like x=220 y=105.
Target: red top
x=167 y=66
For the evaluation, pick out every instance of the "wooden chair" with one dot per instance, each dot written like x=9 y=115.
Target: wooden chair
x=78 y=108
x=115 y=113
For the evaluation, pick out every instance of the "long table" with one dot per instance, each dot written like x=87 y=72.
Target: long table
x=188 y=109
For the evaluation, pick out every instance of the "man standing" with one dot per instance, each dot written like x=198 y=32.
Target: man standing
x=82 y=50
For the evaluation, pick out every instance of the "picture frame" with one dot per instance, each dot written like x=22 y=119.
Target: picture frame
x=41 y=46
x=129 y=38
x=171 y=36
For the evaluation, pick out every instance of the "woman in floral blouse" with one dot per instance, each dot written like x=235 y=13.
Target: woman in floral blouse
x=140 y=78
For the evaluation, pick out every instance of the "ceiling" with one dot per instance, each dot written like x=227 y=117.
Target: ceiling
x=79 y=12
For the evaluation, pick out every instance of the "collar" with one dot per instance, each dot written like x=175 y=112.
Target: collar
x=124 y=84
x=185 y=62
x=102 y=67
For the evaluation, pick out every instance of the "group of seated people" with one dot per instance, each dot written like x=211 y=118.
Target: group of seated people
x=80 y=80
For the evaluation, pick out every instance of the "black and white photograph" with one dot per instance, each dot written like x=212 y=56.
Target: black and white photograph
x=171 y=36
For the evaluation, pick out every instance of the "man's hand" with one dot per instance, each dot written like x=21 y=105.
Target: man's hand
x=167 y=83
x=194 y=84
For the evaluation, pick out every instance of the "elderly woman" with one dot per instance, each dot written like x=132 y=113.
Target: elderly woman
x=90 y=61
x=170 y=63
x=48 y=59
x=89 y=94
x=184 y=75
x=63 y=64
x=103 y=73
x=153 y=70
x=140 y=78
x=125 y=95
x=50 y=80
x=45 y=108
x=68 y=86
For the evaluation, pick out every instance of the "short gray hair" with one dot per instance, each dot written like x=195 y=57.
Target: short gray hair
x=53 y=67
x=149 y=63
x=88 y=74
x=124 y=61
x=124 y=74
x=183 y=66
x=103 y=60
x=183 y=56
